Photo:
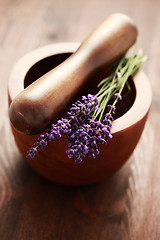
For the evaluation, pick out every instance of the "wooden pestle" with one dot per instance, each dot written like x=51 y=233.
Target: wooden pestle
x=39 y=104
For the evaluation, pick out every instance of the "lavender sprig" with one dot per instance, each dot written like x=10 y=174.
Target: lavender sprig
x=83 y=132
x=86 y=126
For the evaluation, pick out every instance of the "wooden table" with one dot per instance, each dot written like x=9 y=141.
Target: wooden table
x=127 y=206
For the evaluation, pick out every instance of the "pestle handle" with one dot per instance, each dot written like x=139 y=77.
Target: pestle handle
x=38 y=105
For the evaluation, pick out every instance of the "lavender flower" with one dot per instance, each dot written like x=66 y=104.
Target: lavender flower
x=117 y=96
x=32 y=152
x=83 y=132
x=55 y=132
x=87 y=124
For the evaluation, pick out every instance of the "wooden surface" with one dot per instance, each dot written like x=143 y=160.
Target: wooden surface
x=127 y=206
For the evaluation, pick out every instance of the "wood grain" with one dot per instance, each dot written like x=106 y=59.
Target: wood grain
x=124 y=207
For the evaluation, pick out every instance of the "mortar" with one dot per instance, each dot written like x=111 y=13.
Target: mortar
x=52 y=162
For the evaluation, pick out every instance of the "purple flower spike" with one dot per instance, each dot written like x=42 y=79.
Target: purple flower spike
x=32 y=152
x=117 y=96
x=111 y=108
x=82 y=131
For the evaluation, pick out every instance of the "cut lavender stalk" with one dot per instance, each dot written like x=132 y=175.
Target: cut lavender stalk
x=88 y=122
x=83 y=133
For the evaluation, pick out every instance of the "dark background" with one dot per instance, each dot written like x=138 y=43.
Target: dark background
x=127 y=206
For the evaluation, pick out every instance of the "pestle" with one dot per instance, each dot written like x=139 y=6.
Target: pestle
x=38 y=105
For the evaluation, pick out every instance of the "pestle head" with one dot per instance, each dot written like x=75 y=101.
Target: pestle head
x=25 y=116
x=21 y=121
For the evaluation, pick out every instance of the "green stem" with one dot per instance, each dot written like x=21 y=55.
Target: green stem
x=116 y=81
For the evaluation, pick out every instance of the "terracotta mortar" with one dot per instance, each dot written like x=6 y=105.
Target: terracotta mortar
x=52 y=162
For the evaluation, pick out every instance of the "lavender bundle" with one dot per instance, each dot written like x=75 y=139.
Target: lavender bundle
x=89 y=121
